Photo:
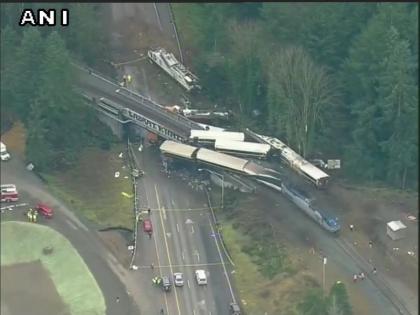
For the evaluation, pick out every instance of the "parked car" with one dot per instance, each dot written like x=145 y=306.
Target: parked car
x=44 y=210
x=200 y=276
x=5 y=156
x=178 y=279
x=234 y=309
x=166 y=283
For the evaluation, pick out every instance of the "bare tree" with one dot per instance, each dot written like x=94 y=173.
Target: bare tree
x=300 y=91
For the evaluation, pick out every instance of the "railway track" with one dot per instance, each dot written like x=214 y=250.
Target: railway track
x=377 y=279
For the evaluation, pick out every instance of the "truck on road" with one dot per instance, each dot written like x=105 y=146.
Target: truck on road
x=9 y=193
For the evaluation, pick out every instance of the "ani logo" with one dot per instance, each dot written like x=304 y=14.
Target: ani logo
x=44 y=17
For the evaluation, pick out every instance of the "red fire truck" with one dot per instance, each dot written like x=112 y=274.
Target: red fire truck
x=9 y=193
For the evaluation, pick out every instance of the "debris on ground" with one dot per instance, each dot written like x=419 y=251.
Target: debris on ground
x=117 y=174
x=411 y=218
x=121 y=155
x=127 y=195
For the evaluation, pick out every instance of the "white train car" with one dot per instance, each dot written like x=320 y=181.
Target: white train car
x=295 y=161
x=221 y=160
x=176 y=70
x=178 y=150
x=251 y=149
x=211 y=136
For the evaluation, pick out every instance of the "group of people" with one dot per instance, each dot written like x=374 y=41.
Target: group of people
x=32 y=215
x=157 y=280
x=360 y=276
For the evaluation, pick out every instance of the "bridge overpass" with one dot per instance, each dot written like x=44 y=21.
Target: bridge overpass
x=132 y=106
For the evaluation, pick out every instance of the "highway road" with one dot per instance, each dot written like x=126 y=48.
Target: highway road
x=95 y=87
x=183 y=241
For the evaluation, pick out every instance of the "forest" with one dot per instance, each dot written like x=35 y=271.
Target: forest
x=334 y=80
x=37 y=85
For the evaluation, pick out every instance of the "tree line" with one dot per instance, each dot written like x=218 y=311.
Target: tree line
x=38 y=82
x=331 y=79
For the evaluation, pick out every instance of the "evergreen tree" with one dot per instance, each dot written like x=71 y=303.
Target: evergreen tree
x=313 y=303
x=244 y=68
x=85 y=36
x=58 y=109
x=9 y=46
x=29 y=60
x=338 y=301
x=398 y=97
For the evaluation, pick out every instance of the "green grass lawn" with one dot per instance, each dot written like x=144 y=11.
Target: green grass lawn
x=91 y=188
x=23 y=242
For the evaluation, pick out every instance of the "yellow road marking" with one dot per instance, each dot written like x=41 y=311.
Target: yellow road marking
x=167 y=247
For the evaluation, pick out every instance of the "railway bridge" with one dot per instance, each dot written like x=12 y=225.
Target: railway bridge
x=125 y=106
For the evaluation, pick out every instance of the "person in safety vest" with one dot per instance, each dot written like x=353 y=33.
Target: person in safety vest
x=29 y=215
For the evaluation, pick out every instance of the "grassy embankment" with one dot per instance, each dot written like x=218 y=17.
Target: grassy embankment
x=72 y=278
x=89 y=188
x=259 y=293
x=92 y=189
x=269 y=277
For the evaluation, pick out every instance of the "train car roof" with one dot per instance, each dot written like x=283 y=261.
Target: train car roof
x=226 y=144
x=178 y=149
x=313 y=171
x=220 y=159
x=213 y=135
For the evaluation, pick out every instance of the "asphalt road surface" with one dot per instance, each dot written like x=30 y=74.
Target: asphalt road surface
x=111 y=277
x=183 y=240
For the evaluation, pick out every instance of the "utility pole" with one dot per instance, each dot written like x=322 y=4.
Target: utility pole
x=323 y=273
x=223 y=182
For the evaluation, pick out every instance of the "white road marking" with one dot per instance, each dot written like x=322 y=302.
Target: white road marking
x=177 y=227
x=183 y=266
x=71 y=224
x=10 y=207
x=164 y=212
x=196 y=254
x=192 y=229
x=166 y=244
x=188 y=283
x=223 y=263
x=183 y=255
x=82 y=226
x=194 y=311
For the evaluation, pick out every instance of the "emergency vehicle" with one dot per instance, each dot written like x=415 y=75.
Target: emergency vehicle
x=9 y=193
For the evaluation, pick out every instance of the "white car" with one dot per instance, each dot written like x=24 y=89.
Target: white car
x=200 y=276
x=178 y=279
x=4 y=154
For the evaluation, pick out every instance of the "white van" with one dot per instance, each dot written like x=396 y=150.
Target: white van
x=4 y=154
x=200 y=276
